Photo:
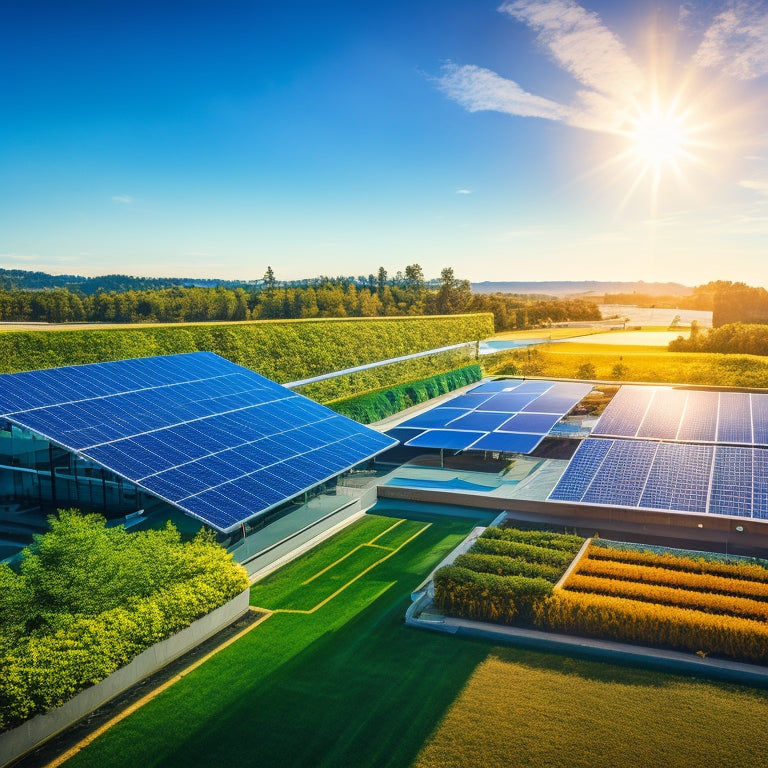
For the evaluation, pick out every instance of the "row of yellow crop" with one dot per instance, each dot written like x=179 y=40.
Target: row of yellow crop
x=612 y=569
x=747 y=571
x=616 y=618
x=683 y=598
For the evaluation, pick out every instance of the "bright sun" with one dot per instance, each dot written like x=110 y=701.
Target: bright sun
x=658 y=138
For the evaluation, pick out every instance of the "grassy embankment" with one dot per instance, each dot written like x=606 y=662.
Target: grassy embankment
x=634 y=363
x=333 y=678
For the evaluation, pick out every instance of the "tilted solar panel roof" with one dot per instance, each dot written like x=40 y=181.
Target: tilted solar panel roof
x=504 y=415
x=216 y=440
x=686 y=415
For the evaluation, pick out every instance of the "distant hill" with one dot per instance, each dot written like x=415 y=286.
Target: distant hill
x=20 y=279
x=582 y=288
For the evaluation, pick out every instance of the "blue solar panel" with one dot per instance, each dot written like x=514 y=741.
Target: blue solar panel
x=437 y=417
x=734 y=424
x=760 y=419
x=403 y=434
x=500 y=385
x=511 y=402
x=445 y=438
x=621 y=477
x=760 y=483
x=625 y=412
x=536 y=423
x=483 y=420
x=534 y=386
x=731 y=491
x=469 y=401
x=581 y=470
x=507 y=442
x=662 y=419
x=560 y=399
x=679 y=478
x=196 y=430
x=699 y=422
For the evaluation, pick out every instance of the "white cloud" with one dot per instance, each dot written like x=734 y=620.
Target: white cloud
x=463 y=191
x=737 y=42
x=125 y=199
x=755 y=185
x=581 y=44
x=479 y=89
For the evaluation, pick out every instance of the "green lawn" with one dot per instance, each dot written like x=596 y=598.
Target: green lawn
x=346 y=685
x=349 y=685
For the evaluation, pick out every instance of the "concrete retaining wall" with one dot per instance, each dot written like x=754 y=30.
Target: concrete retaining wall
x=30 y=734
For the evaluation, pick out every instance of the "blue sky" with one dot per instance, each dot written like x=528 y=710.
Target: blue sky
x=528 y=140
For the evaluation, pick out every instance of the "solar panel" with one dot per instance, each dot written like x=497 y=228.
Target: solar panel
x=209 y=436
x=699 y=421
x=507 y=442
x=536 y=423
x=760 y=483
x=581 y=470
x=625 y=412
x=662 y=419
x=759 y=419
x=679 y=478
x=509 y=402
x=484 y=420
x=734 y=424
x=403 y=434
x=621 y=477
x=437 y=417
x=731 y=490
x=500 y=385
x=450 y=439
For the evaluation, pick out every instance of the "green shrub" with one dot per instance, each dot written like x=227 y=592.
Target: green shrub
x=507 y=566
x=547 y=539
x=374 y=406
x=530 y=552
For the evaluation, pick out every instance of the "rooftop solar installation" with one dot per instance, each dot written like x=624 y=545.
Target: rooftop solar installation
x=507 y=442
x=452 y=439
x=218 y=441
x=661 y=413
x=502 y=414
x=678 y=477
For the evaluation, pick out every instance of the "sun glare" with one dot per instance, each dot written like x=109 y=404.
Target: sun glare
x=658 y=138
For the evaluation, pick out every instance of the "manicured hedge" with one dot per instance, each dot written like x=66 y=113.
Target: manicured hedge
x=284 y=351
x=374 y=406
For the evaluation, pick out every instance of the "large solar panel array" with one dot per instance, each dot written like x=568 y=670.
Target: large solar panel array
x=660 y=413
x=511 y=416
x=212 y=438
x=683 y=477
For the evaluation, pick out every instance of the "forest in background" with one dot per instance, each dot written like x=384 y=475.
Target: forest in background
x=379 y=295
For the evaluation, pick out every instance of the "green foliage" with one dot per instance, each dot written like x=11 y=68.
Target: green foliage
x=487 y=596
x=282 y=351
x=738 y=338
x=507 y=566
x=547 y=539
x=374 y=406
x=89 y=598
x=506 y=575
x=530 y=552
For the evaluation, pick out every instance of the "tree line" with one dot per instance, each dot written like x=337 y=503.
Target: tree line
x=406 y=293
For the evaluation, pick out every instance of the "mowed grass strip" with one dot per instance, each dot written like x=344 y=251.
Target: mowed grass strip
x=347 y=685
x=283 y=581
x=398 y=535
x=528 y=710
x=312 y=593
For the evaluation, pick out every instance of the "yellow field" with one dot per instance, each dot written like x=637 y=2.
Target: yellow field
x=635 y=363
x=527 y=709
